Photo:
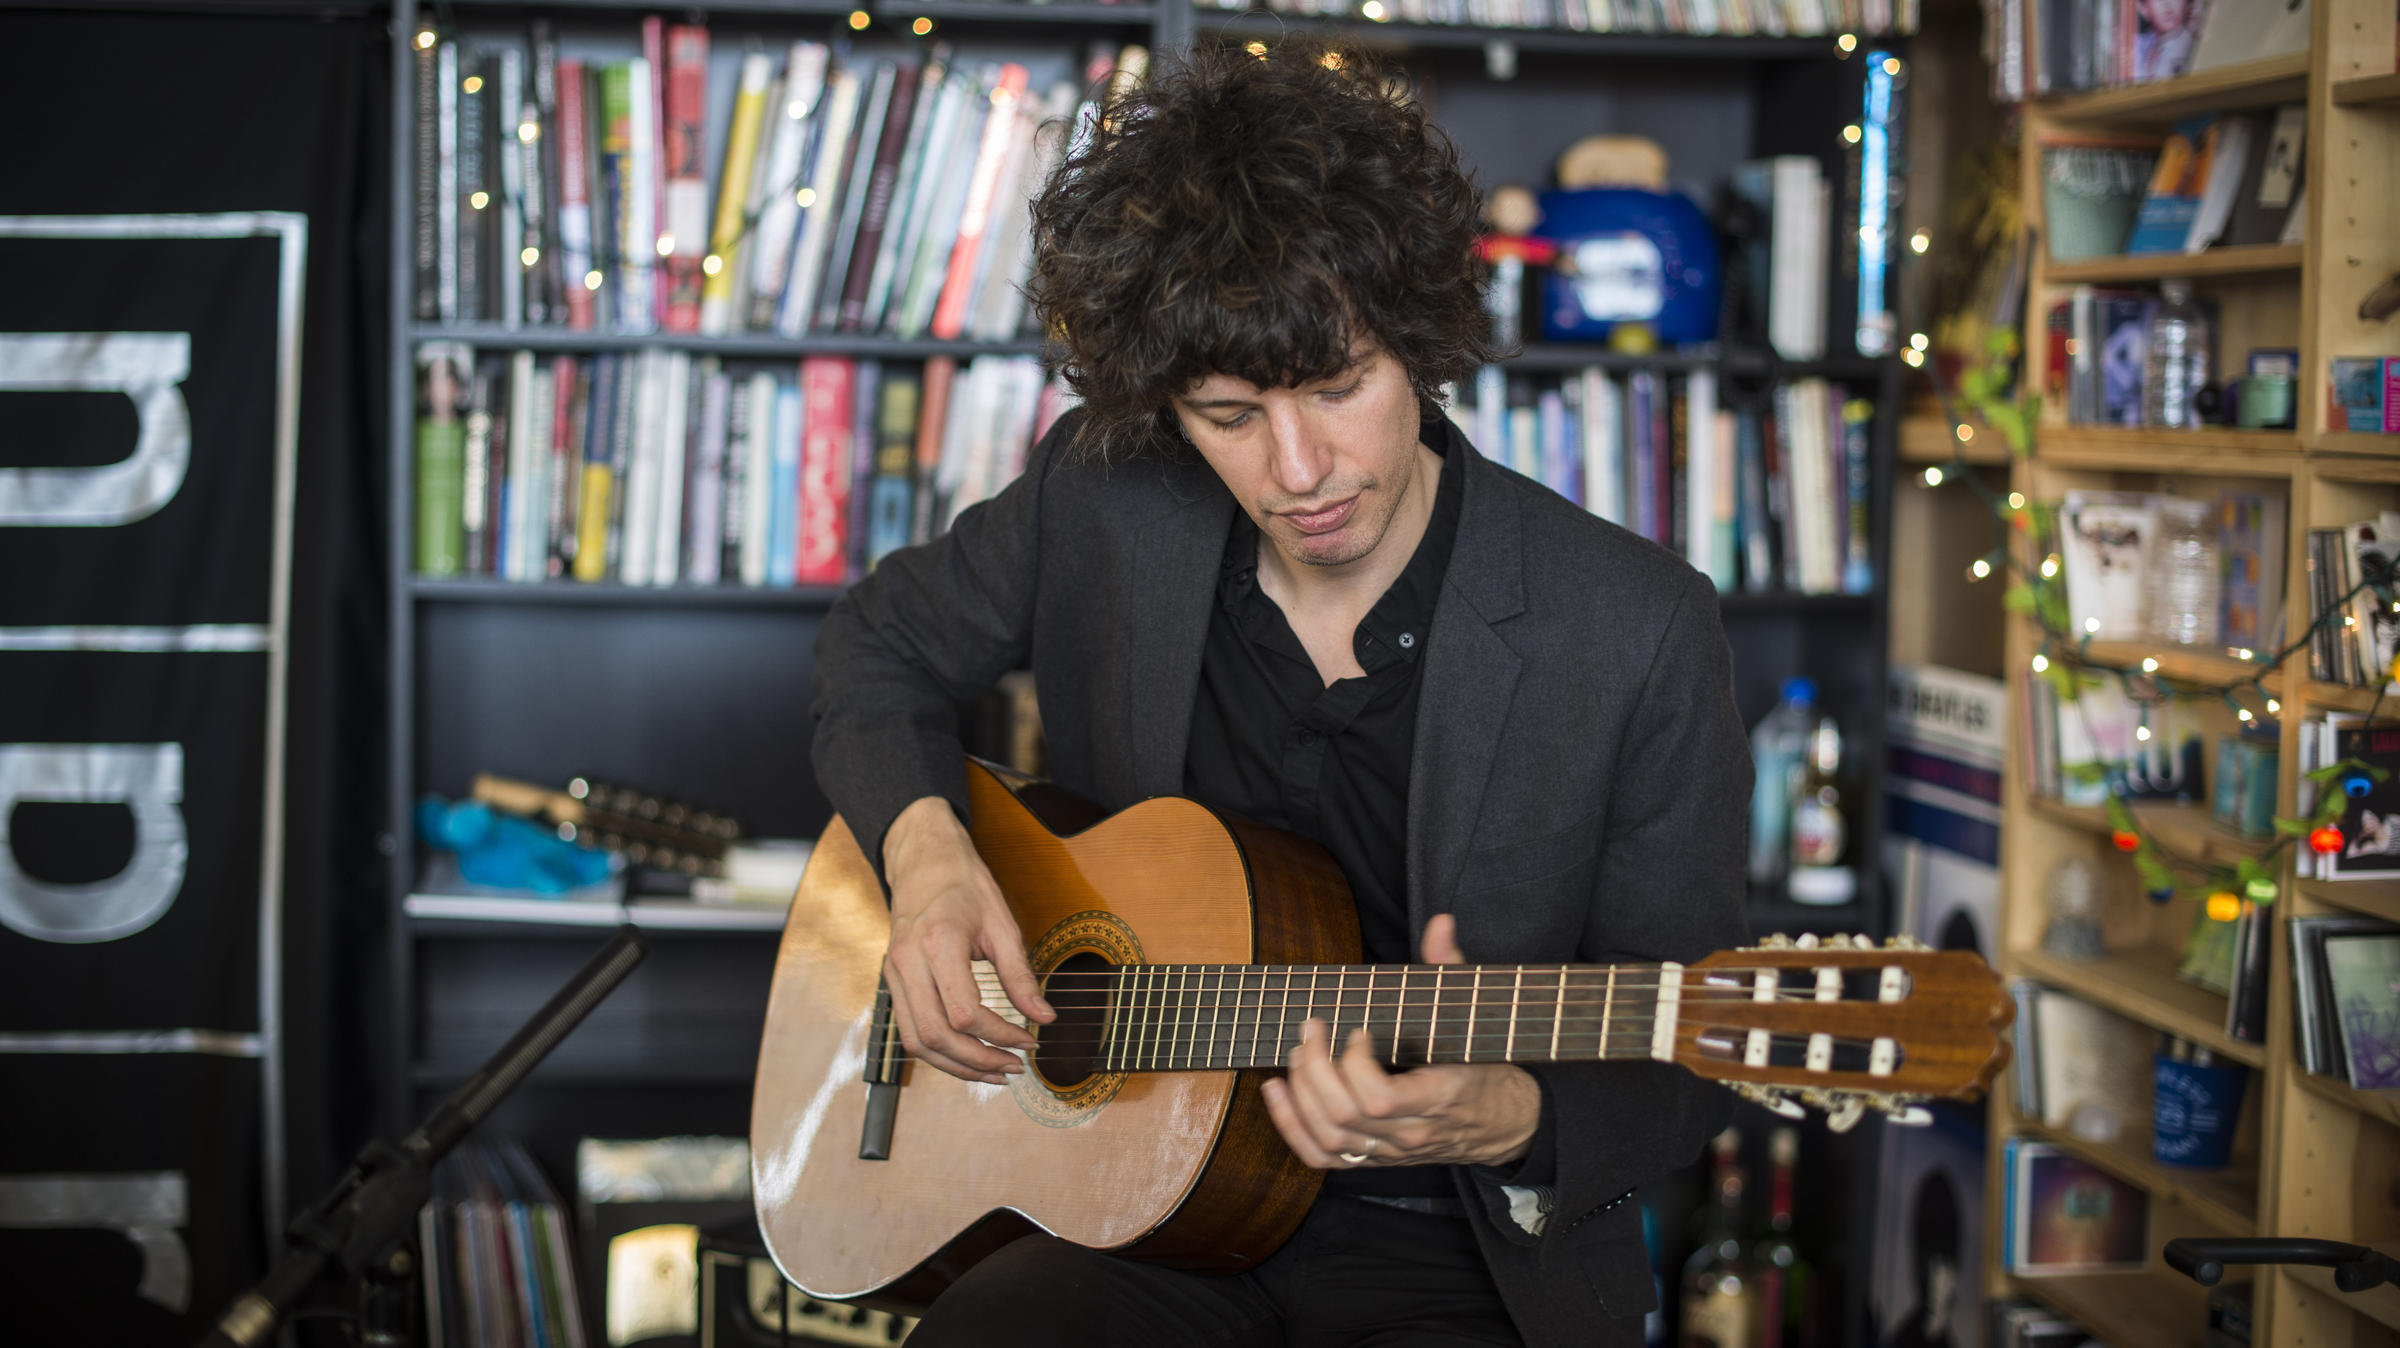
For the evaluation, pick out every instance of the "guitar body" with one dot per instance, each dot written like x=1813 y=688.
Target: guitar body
x=1179 y=1167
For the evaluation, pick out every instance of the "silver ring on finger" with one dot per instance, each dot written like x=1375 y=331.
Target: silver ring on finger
x=1359 y=1157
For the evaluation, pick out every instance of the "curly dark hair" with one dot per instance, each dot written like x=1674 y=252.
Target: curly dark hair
x=1254 y=215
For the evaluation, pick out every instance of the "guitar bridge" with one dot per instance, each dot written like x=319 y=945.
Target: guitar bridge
x=883 y=1081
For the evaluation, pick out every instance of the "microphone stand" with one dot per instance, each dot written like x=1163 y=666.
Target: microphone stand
x=359 y=1229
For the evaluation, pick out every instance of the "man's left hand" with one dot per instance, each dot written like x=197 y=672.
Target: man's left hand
x=1340 y=1114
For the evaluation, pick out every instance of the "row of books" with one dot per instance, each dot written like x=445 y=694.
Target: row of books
x=1731 y=18
x=2104 y=742
x=2095 y=44
x=2346 y=990
x=2217 y=181
x=846 y=193
x=2050 y=46
x=2108 y=545
x=660 y=468
x=499 y=1258
x=1762 y=495
x=2357 y=648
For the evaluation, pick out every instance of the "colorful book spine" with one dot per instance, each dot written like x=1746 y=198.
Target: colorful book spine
x=783 y=488
x=949 y=316
x=568 y=390
x=875 y=212
x=821 y=552
x=425 y=173
x=474 y=190
x=684 y=236
x=597 y=488
x=441 y=444
x=575 y=232
x=729 y=239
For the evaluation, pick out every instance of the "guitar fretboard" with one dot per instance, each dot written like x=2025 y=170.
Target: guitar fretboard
x=1181 y=1017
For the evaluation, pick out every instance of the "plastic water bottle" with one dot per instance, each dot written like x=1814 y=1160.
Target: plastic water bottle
x=2176 y=363
x=1776 y=749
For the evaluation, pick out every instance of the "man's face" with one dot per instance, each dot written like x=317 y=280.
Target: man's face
x=1321 y=468
x=2168 y=16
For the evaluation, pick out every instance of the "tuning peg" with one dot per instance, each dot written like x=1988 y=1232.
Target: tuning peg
x=1846 y=1117
x=1774 y=941
x=1807 y=940
x=1904 y=943
x=1909 y=1116
x=1776 y=1102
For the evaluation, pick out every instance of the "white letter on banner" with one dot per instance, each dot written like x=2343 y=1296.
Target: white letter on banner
x=144 y=366
x=146 y=779
x=146 y=1206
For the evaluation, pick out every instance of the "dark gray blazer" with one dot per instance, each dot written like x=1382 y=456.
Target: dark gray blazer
x=1580 y=788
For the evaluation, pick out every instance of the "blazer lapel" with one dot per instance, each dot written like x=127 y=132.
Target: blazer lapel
x=1174 y=581
x=1470 y=680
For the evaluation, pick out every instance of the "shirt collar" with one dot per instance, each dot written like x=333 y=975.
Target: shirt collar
x=1394 y=630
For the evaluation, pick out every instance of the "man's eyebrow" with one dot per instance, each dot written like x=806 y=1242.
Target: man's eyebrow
x=1356 y=360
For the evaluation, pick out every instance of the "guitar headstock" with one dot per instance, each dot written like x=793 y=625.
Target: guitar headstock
x=1844 y=1025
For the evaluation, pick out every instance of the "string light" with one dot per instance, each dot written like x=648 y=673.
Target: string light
x=1374 y=10
x=425 y=40
x=2149 y=665
x=1919 y=241
x=2049 y=567
x=806 y=197
x=530 y=256
x=529 y=132
x=2126 y=840
x=2142 y=733
x=591 y=280
x=2041 y=663
x=2244 y=653
x=2091 y=626
x=1981 y=568
x=1331 y=60
x=859 y=20
x=1851 y=133
x=2016 y=500
x=1933 y=476
x=1848 y=42
x=1965 y=433
x=479 y=200
x=921 y=26
x=2273 y=707
x=2243 y=713
x=666 y=245
x=2325 y=840
x=473 y=84
x=1913 y=357
x=1257 y=49
x=712 y=264
x=2223 y=906
x=1919 y=341
x=1891 y=65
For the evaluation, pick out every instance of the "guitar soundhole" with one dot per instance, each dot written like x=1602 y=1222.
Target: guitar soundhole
x=1070 y=1046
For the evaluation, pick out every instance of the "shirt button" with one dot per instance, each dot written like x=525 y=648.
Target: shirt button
x=1407 y=640
x=1307 y=737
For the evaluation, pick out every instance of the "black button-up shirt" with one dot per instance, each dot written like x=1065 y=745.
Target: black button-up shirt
x=1272 y=742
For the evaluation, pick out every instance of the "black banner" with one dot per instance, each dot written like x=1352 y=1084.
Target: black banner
x=188 y=303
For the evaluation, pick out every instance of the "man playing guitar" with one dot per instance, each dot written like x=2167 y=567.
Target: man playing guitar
x=1260 y=568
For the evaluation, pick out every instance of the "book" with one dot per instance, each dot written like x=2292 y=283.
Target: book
x=2166 y=34
x=443 y=379
x=875 y=207
x=821 y=544
x=704 y=532
x=2104 y=547
x=2094 y=1068
x=516 y=196
x=891 y=505
x=2230 y=167
x=2171 y=203
x=729 y=238
x=474 y=190
x=2064 y=1215
x=1008 y=90
x=2250 y=529
x=2318 y=1033
x=857 y=184
x=2271 y=177
x=2232 y=32
x=575 y=233
x=426 y=156
x=824 y=195
x=780 y=566
x=787 y=174
x=2362 y=972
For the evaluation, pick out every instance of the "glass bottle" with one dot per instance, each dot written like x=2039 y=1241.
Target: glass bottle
x=1820 y=828
x=2175 y=359
x=1719 y=1304
x=2182 y=573
x=1776 y=746
x=1785 y=1280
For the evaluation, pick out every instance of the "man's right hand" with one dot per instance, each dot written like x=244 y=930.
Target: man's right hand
x=947 y=912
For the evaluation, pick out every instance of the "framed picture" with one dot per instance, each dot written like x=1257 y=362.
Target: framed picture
x=2066 y=1216
x=2364 y=971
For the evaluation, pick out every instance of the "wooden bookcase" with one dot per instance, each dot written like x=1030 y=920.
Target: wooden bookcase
x=2313 y=1156
x=703 y=692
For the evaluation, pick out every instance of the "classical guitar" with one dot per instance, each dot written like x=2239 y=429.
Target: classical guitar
x=1182 y=948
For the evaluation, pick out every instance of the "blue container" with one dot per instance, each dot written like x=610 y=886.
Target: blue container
x=1626 y=255
x=2195 y=1110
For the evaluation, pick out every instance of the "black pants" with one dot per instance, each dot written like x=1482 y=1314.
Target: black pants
x=1354 y=1276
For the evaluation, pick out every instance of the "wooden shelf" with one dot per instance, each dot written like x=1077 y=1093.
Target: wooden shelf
x=2197 y=664
x=2252 y=84
x=2342 y=697
x=2226 y=1198
x=2256 y=259
x=2380 y=1105
x=2368 y=90
x=2153 y=1310
x=1557 y=356
x=2216 y=449
x=2186 y=830
x=2371 y=898
x=2381 y=1304
x=2355 y=442
x=2141 y=984
x=1016 y=11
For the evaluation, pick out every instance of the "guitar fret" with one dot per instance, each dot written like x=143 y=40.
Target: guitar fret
x=1216 y=1011
x=1509 y=1052
x=1558 y=1014
x=1608 y=1007
x=1474 y=1014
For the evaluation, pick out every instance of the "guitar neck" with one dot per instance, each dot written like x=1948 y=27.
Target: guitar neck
x=1182 y=1017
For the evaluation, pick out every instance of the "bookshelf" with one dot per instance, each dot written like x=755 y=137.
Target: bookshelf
x=701 y=691
x=2313 y=1156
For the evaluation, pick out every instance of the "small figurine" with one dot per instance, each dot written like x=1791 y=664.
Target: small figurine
x=1512 y=215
